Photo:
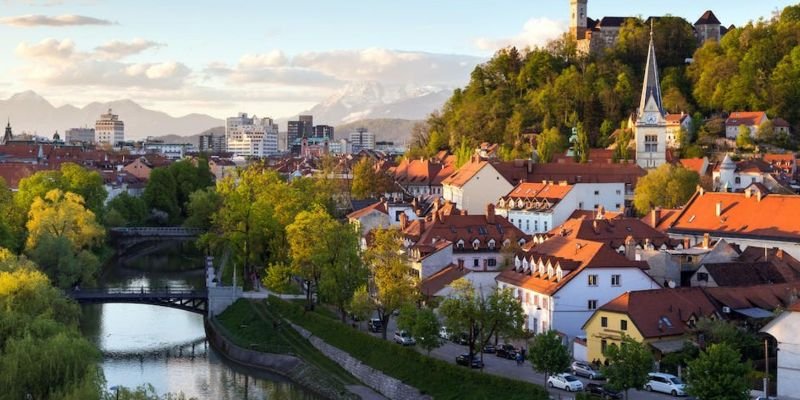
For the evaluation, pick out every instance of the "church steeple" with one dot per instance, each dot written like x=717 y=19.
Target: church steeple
x=651 y=88
x=8 y=136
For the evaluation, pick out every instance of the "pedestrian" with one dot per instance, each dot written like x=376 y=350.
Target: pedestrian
x=523 y=354
x=519 y=359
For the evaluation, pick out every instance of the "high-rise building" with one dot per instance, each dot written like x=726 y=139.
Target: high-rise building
x=303 y=127
x=651 y=122
x=79 y=136
x=251 y=136
x=362 y=139
x=307 y=122
x=210 y=143
x=323 y=131
x=109 y=129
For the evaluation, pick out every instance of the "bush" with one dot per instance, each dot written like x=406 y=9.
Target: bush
x=440 y=379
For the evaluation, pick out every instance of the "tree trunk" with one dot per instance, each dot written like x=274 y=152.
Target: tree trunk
x=343 y=313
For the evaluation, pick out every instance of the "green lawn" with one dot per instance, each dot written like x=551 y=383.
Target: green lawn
x=440 y=379
x=252 y=325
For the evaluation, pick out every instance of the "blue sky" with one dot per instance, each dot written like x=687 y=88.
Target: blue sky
x=219 y=57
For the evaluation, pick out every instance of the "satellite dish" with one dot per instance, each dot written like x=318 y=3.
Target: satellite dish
x=671 y=284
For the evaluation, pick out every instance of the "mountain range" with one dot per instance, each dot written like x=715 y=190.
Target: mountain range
x=392 y=109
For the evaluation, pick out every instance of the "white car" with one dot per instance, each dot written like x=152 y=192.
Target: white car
x=402 y=337
x=565 y=382
x=665 y=383
x=445 y=333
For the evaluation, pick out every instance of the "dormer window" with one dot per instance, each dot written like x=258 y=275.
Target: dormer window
x=476 y=244
x=460 y=244
x=517 y=262
x=491 y=244
x=521 y=242
x=506 y=243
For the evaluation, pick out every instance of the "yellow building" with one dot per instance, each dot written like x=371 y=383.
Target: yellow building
x=661 y=318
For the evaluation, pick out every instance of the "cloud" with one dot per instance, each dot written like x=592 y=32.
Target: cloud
x=117 y=49
x=56 y=62
x=29 y=21
x=536 y=32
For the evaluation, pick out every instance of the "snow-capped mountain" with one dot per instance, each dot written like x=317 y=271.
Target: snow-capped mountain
x=31 y=113
x=370 y=100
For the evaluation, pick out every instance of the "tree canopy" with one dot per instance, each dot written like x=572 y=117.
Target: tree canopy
x=667 y=186
x=629 y=364
x=717 y=374
x=548 y=355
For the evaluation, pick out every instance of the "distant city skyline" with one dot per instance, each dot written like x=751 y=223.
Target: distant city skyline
x=278 y=58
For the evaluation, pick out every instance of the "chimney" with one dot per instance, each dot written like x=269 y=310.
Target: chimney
x=701 y=190
x=758 y=195
x=630 y=248
x=403 y=221
x=706 y=240
x=601 y=212
x=748 y=193
x=719 y=209
x=490 y=214
x=655 y=217
x=530 y=167
x=686 y=243
x=779 y=254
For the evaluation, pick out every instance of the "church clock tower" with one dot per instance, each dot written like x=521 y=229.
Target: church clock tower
x=577 y=21
x=651 y=124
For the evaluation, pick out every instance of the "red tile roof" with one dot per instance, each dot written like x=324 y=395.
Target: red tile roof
x=774 y=216
x=445 y=225
x=438 y=281
x=463 y=175
x=613 y=231
x=545 y=194
x=767 y=297
x=663 y=312
x=13 y=173
x=748 y=118
x=746 y=273
x=708 y=18
x=675 y=119
x=379 y=207
x=695 y=164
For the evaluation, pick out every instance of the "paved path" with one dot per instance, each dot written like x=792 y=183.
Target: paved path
x=509 y=368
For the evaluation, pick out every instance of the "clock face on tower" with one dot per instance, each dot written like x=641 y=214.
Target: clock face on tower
x=651 y=119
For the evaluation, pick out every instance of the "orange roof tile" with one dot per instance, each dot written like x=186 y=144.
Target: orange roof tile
x=694 y=164
x=774 y=216
x=748 y=118
x=460 y=177
x=438 y=281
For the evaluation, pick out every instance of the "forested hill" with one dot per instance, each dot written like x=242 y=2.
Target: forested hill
x=755 y=67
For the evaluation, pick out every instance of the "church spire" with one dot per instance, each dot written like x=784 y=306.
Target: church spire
x=651 y=86
x=8 y=136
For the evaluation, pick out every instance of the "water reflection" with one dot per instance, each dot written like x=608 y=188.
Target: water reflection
x=166 y=347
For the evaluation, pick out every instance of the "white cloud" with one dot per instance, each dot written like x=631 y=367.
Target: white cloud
x=31 y=20
x=54 y=62
x=117 y=49
x=536 y=32
x=274 y=58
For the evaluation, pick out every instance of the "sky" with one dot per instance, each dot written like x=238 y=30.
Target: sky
x=279 y=58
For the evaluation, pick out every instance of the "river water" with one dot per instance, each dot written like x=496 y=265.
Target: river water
x=166 y=347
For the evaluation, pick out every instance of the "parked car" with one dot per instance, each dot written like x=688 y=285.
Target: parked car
x=507 y=351
x=489 y=348
x=582 y=368
x=469 y=360
x=602 y=391
x=374 y=325
x=565 y=382
x=445 y=333
x=462 y=338
x=665 y=383
x=402 y=337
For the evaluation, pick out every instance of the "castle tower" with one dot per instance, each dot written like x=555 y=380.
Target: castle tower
x=577 y=21
x=651 y=124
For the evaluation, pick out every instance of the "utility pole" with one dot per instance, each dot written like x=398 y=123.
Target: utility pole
x=766 y=369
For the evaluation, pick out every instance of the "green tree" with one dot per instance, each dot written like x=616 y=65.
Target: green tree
x=343 y=270
x=361 y=304
x=278 y=278
x=482 y=316
x=64 y=265
x=606 y=129
x=629 y=364
x=766 y=132
x=161 y=194
x=423 y=325
x=622 y=143
x=390 y=286
x=667 y=186
x=743 y=138
x=367 y=182
x=549 y=143
x=717 y=374
x=7 y=237
x=200 y=209
x=308 y=248
x=548 y=355
x=582 y=146
x=129 y=211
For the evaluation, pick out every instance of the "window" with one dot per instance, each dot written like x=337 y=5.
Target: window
x=702 y=276
x=618 y=206
x=492 y=262
x=536 y=325
x=604 y=322
x=545 y=225
x=651 y=143
x=619 y=192
x=580 y=205
x=603 y=346
x=738 y=180
x=591 y=304
x=527 y=225
x=476 y=262
x=536 y=225
x=592 y=280
x=596 y=192
x=623 y=325
x=616 y=280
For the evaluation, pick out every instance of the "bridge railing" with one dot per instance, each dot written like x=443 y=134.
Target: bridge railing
x=158 y=231
x=178 y=291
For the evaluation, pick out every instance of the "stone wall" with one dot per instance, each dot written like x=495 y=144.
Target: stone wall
x=220 y=298
x=375 y=379
x=289 y=366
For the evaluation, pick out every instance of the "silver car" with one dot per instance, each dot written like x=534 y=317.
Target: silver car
x=582 y=368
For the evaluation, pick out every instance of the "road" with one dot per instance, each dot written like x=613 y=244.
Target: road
x=509 y=368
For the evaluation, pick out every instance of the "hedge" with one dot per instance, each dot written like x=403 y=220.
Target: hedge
x=438 y=378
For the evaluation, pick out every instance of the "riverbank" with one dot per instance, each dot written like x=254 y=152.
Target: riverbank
x=248 y=334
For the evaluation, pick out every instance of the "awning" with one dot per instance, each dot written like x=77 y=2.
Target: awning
x=668 y=345
x=754 y=312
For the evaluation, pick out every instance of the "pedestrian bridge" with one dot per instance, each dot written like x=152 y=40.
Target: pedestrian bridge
x=157 y=232
x=181 y=298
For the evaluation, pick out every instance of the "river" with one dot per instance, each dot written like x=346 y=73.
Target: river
x=166 y=347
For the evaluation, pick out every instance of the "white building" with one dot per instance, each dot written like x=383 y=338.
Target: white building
x=784 y=329
x=651 y=122
x=676 y=123
x=562 y=281
x=251 y=136
x=172 y=151
x=539 y=207
x=735 y=177
x=362 y=139
x=79 y=135
x=475 y=185
x=109 y=129
x=751 y=119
